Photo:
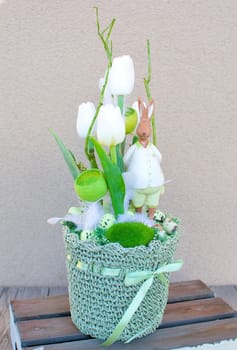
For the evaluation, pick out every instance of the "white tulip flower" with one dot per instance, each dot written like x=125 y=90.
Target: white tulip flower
x=122 y=76
x=86 y=112
x=110 y=126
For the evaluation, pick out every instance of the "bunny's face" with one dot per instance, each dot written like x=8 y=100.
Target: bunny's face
x=144 y=129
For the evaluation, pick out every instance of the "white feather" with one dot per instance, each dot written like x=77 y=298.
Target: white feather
x=76 y=219
x=92 y=216
x=54 y=220
x=137 y=217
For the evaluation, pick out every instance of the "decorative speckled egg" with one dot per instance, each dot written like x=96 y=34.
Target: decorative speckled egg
x=162 y=234
x=85 y=235
x=75 y=211
x=107 y=221
x=159 y=216
x=170 y=226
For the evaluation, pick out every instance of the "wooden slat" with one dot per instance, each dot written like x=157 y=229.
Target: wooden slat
x=6 y=295
x=47 y=331
x=35 y=332
x=58 y=291
x=31 y=292
x=45 y=321
x=166 y=338
x=56 y=306
x=189 y=290
x=40 y=308
x=195 y=311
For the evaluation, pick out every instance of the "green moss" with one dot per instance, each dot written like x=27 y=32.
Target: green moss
x=130 y=234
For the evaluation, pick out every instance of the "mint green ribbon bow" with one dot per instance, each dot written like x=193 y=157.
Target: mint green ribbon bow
x=134 y=278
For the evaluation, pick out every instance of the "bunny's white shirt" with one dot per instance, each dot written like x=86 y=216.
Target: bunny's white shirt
x=143 y=166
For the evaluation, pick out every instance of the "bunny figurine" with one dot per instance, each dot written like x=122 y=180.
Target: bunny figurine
x=142 y=162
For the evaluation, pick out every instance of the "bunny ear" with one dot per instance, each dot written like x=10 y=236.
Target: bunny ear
x=151 y=108
x=140 y=105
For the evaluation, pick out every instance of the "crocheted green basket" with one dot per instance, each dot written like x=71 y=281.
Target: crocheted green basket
x=98 y=295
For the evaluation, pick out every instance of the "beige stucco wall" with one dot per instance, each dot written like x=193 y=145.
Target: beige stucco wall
x=51 y=60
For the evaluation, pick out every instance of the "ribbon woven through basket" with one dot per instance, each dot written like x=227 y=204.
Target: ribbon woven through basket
x=132 y=278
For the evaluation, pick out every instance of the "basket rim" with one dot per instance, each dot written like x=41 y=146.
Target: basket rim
x=74 y=241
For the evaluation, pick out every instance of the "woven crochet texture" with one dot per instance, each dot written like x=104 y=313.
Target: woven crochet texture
x=99 y=302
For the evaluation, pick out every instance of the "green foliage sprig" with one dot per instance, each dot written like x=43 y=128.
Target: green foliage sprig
x=68 y=156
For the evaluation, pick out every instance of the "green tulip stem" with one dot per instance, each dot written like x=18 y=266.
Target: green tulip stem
x=148 y=91
x=107 y=43
x=121 y=99
x=113 y=154
x=123 y=144
x=91 y=155
x=121 y=103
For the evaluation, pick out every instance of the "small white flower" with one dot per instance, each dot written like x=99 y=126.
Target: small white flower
x=122 y=76
x=110 y=126
x=86 y=112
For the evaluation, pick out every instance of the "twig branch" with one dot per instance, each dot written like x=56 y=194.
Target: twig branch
x=148 y=79
x=148 y=91
x=107 y=43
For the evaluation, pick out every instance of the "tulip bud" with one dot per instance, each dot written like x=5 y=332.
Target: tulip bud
x=86 y=112
x=122 y=76
x=110 y=126
x=131 y=119
x=90 y=185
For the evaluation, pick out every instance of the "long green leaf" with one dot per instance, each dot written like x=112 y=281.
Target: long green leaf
x=68 y=156
x=113 y=177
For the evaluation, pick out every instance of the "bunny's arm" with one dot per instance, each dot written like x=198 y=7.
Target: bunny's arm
x=129 y=154
x=157 y=153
